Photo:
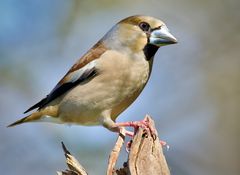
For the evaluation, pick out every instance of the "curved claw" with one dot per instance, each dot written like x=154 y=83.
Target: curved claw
x=128 y=146
x=150 y=128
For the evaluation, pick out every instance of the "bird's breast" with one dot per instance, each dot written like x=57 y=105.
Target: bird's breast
x=119 y=81
x=126 y=79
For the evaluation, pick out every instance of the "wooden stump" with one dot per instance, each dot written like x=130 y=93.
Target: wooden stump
x=145 y=156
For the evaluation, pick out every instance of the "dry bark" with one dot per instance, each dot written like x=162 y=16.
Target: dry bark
x=145 y=156
x=75 y=168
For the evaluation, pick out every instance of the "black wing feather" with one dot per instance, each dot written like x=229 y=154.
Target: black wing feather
x=61 y=89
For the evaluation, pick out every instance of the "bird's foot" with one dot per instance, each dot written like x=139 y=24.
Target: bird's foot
x=136 y=124
x=145 y=124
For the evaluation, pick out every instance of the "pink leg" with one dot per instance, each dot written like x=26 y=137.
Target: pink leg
x=136 y=124
x=115 y=127
x=143 y=124
x=129 y=133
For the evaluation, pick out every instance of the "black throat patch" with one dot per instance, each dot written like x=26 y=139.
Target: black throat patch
x=149 y=51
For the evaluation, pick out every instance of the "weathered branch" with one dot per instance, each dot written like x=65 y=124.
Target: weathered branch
x=115 y=152
x=75 y=168
x=145 y=156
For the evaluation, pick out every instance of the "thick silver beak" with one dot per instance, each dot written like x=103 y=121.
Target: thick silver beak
x=162 y=37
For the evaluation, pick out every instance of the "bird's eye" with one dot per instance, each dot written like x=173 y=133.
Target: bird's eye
x=144 y=26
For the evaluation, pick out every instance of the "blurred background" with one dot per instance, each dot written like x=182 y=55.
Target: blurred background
x=193 y=94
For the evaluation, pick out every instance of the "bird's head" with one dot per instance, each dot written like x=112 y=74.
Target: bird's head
x=139 y=33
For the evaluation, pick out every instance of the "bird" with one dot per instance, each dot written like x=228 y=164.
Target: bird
x=107 y=79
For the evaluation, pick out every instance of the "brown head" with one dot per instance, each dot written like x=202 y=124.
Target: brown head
x=139 y=33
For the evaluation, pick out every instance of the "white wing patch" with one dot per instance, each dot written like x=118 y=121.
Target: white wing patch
x=74 y=76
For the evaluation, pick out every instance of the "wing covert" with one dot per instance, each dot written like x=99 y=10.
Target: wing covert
x=84 y=70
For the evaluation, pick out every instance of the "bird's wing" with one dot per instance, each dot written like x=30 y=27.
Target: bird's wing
x=83 y=70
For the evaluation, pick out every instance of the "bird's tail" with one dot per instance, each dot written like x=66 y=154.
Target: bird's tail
x=36 y=116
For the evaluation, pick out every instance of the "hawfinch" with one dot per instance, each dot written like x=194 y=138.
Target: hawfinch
x=107 y=79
